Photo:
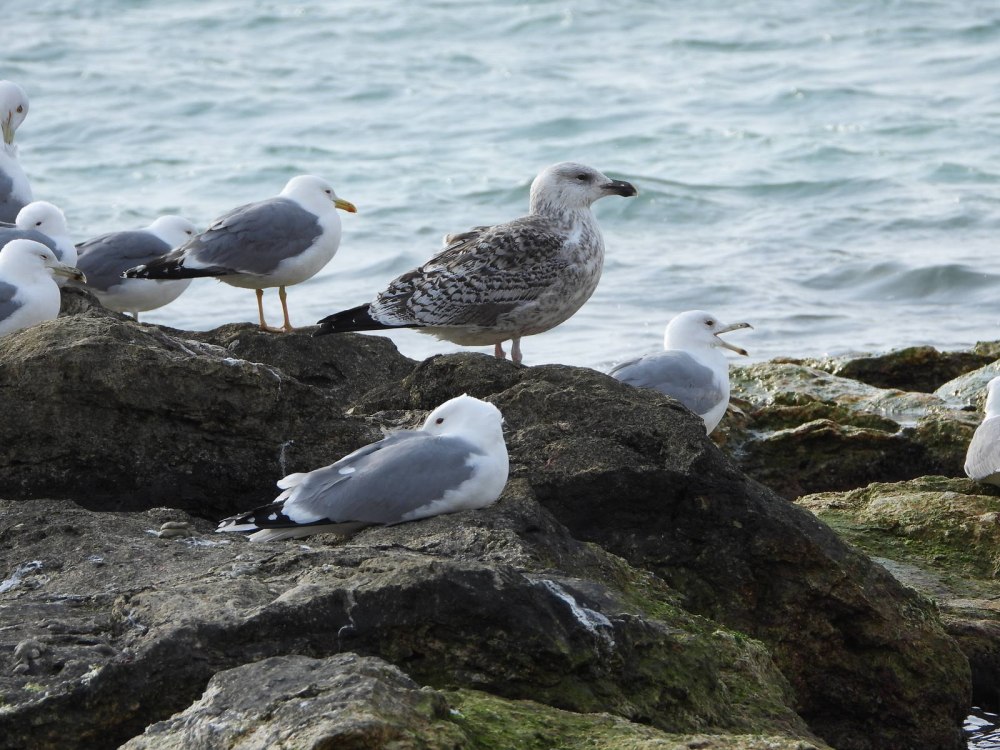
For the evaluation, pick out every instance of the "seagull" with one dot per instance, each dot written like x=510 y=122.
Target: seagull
x=456 y=460
x=691 y=369
x=278 y=242
x=502 y=282
x=43 y=222
x=15 y=191
x=104 y=260
x=982 y=460
x=28 y=292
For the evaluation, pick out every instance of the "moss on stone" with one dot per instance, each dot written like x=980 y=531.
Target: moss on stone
x=492 y=723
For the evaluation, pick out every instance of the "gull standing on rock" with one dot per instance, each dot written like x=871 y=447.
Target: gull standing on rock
x=457 y=460
x=278 y=242
x=691 y=368
x=15 y=190
x=28 y=292
x=982 y=460
x=43 y=222
x=502 y=282
x=105 y=259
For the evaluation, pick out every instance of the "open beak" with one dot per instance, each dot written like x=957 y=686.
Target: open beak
x=345 y=205
x=61 y=269
x=620 y=187
x=8 y=131
x=726 y=344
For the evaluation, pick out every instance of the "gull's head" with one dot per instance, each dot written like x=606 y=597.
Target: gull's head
x=466 y=416
x=572 y=186
x=174 y=230
x=28 y=256
x=13 y=109
x=43 y=217
x=315 y=194
x=697 y=329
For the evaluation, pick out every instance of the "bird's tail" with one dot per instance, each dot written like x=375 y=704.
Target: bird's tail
x=172 y=266
x=356 y=319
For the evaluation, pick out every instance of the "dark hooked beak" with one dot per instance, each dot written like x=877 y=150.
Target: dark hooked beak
x=620 y=187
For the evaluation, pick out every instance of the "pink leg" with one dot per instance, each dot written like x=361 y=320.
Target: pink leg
x=498 y=352
x=515 y=350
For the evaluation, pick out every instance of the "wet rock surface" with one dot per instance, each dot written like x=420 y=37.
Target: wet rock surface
x=632 y=579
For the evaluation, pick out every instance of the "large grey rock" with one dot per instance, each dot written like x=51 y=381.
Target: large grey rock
x=801 y=429
x=106 y=628
x=118 y=415
x=345 y=702
x=500 y=607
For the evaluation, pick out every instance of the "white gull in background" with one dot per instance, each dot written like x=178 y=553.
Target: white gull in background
x=691 y=368
x=278 y=242
x=28 y=291
x=502 y=282
x=456 y=460
x=15 y=190
x=982 y=460
x=105 y=259
x=43 y=222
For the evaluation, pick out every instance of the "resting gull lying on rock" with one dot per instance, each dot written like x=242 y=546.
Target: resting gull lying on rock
x=28 y=291
x=982 y=460
x=502 y=282
x=43 y=222
x=456 y=460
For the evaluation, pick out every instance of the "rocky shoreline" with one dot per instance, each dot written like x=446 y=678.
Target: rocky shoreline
x=637 y=585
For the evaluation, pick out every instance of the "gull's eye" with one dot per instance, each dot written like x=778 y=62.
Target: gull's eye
x=38 y=223
x=20 y=108
x=710 y=323
x=439 y=420
x=582 y=177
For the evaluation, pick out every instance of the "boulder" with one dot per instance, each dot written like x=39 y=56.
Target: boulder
x=801 y=429
x=107 y=626
x=917 y=368
x=351 y=703
x=941 y=537
x=630 y=568
x=124 y=416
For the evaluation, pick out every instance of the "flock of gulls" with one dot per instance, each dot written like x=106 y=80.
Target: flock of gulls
x=486 y=286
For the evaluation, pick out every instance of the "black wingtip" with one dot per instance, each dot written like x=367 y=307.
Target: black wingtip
x=356 y=319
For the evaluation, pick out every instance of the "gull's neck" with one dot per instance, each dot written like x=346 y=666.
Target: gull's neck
x=710 y=356
x=540 y=206
x=992 y=403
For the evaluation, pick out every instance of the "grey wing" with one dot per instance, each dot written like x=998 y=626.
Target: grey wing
x=7 y=234
x=8 y=305
x=482 y=274
x=983 y=457
x=255 y=238
x=382 y=485
x=103 y=259
x=9 y=205
x=675 y=374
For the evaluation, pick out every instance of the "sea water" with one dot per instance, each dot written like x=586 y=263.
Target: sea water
x=826 y=170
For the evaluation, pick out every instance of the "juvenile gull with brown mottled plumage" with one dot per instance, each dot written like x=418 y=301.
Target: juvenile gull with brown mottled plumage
x=506 y=281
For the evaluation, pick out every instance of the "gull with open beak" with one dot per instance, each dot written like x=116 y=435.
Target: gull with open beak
x=28 y=291
x=279 y=242
x=691 y=368
x=15 y=191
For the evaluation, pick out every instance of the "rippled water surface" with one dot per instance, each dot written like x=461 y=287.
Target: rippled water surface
x=826 y=170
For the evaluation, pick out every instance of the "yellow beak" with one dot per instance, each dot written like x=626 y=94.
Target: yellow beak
x=345 y=205
x=61 y=269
